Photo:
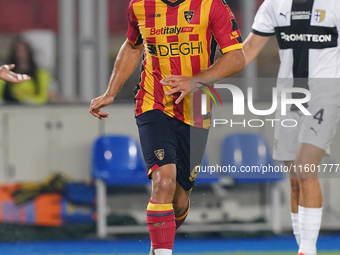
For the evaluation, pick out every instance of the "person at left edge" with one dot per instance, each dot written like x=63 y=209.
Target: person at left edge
x=34 y=91
x=179 y=38
x=7 y=75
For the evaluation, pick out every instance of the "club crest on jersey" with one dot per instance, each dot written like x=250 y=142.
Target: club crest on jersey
x=188 y=15
x=160 y=154
x=320 y=15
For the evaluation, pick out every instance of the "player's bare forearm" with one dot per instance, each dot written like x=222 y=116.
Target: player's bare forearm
x=229 y=64
x=253 y=45
x=126 y=62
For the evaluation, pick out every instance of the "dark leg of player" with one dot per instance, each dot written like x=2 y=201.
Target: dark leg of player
x=166 y=147
x=181 y=204
x=160 y=211
x=310 y=202
x=294 y=200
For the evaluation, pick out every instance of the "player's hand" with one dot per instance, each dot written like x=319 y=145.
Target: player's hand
x=7 y=75
x=97 y=104
x=179 y=83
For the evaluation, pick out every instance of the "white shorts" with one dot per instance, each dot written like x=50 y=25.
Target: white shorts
x=317 y=129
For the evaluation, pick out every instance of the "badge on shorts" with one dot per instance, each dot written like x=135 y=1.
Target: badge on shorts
x=188 y=15
x=159 y=154
x=194 y=173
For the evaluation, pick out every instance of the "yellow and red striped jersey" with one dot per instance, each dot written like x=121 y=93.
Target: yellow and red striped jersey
x=179 y=39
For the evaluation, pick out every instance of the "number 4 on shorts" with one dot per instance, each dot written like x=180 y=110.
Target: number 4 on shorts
x=319 y=116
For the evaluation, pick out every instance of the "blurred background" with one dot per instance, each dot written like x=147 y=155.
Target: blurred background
x=54 y=184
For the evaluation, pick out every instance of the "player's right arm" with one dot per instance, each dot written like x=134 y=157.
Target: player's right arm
x=262 y=30
x=126 y=62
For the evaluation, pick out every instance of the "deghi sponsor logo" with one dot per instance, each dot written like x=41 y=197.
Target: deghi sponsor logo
x=170 y=30
x=176 y=49
x=305 y=37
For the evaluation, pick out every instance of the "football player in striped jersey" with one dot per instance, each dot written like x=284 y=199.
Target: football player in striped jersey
x=179 y=39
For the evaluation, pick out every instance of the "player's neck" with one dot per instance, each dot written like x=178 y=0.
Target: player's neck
x=173 y=3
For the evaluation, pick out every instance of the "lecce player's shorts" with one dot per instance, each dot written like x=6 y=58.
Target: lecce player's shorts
x=317 y=129
x=165 y=140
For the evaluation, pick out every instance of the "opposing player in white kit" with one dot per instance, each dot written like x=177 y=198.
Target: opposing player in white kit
x=308 y=36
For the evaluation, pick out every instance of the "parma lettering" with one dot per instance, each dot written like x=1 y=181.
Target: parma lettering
x=176 y=49
x=306 y=37
x=170 y=30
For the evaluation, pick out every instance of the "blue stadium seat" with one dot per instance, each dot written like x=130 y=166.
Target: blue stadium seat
x=117 y=160
x=248 y=150
x=205 y=178
x=251 y=150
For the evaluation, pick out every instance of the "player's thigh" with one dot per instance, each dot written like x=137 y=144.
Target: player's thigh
x=158 y=140
x=307 y=160
x=286 y=134
x=192 y=143
x=319 y=128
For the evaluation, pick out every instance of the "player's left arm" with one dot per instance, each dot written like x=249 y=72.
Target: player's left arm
x=9 y=76
x=228 y=37
x=229 y=64
x=262 y=29
x=253 y=45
